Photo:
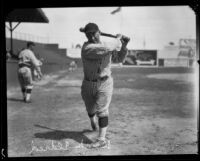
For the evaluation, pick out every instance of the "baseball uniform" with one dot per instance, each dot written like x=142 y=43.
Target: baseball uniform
x=97 y=85
x=27 y=60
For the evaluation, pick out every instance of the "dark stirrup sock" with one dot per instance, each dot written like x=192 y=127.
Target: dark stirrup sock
x=28 y=90
x=103 y=122
x=23 y=90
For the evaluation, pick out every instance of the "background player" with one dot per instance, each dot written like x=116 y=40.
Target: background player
x=27 y=60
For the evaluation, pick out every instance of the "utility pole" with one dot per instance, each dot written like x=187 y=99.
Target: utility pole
x=144 y=42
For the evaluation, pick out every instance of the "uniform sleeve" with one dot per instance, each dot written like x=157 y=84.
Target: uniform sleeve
x=96 y=51
x=120 y=55
x=34 y=60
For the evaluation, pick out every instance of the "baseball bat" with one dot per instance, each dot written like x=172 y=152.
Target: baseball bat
x=108 y=35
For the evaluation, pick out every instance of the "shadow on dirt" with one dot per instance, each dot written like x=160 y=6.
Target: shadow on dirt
x=15 y=99
x=78 y=136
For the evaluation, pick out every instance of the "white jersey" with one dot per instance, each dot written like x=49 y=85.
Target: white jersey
x=28 y=58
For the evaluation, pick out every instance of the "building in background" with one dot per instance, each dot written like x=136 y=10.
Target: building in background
x=183 y=54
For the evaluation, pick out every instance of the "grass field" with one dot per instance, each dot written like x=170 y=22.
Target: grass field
x=153 y=111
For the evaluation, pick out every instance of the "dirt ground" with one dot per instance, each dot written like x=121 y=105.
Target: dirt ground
x=153 y=111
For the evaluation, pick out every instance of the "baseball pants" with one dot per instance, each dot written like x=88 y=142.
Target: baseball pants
x=97 y=96
x=25 y=78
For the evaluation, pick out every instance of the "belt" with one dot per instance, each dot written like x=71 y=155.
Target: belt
x=98 y=79
x=24 y=65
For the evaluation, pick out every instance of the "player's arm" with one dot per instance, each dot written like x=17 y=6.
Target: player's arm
x=121 y=55
x=96 y=51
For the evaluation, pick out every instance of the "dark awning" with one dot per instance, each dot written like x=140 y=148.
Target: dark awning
x=27 y=15
x=32 y=15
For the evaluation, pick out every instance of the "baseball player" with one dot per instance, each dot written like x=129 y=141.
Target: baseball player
x=27 y=60
x=72 y=66
x=97 y=85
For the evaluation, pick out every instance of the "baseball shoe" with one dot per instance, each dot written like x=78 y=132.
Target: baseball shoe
x=27 y=100
x=99 y=144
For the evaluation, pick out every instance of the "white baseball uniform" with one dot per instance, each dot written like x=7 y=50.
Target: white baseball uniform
x=97 y=85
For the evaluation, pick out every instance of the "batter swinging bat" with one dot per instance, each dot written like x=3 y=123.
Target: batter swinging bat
x=109 y=35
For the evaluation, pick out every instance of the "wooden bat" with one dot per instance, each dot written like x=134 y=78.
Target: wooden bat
x=109 y=35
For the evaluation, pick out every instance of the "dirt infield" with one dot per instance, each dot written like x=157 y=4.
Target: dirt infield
x=153 y=111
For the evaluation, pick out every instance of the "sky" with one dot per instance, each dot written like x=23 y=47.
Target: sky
x=148 y=27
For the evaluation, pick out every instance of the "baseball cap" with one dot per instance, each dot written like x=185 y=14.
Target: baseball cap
x=30 y=43
x=91 y=27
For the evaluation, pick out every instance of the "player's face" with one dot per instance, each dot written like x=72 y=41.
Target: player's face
x=93 y=37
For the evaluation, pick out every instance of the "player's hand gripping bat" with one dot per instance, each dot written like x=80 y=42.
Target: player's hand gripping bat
x=125 y=38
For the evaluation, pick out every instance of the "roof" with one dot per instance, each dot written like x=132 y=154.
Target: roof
x=27 y=15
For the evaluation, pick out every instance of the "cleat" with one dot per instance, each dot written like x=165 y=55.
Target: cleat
x=27 y=101
x=99 y=144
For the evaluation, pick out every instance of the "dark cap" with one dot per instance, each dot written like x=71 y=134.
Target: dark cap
x=91 y=27
x=30 y=43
